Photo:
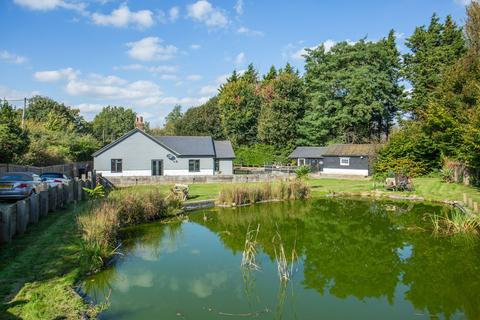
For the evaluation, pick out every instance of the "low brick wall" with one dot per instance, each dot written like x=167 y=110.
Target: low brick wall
x=132 y=181
x=16 y=217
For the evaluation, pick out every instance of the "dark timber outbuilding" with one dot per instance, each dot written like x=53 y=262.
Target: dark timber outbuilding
x=342 y=159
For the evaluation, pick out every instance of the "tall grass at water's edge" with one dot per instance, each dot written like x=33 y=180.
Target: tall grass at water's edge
x=456 y=223
x=241 y=194
x=100 y=226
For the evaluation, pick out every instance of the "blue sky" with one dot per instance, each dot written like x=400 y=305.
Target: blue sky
x=151 y=55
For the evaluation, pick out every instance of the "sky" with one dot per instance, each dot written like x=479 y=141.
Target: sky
x=152 y=55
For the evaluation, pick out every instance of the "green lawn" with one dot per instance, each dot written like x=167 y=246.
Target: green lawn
x=38 y=270
x=432 y=189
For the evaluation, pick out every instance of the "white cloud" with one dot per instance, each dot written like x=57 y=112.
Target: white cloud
x=56 y=75
x=239 y=59
x=46 y=5
x=150 y=49
x=203 y=11
x=169 y=77
x=195 y=46
x=123 y=17
x=463 y=2
x=128 y=67
x=239 y=7
x=152 y=69
x=208 y=90
x=9 y=93
x=221 y=79
x=12 y=57
x=194 y=77
x=249 y=32
x=174 y=13
x=328 y=45
x=89 y=110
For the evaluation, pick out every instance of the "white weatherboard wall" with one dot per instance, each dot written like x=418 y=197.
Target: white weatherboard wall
x=225 y=166
x=137 y=152
x=353 y=172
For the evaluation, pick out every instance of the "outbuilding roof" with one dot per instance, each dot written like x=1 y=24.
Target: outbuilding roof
x=350 y=150
x=223 y=149
x=307 y=152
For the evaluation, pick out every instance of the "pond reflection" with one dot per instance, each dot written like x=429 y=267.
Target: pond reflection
x=358 y=259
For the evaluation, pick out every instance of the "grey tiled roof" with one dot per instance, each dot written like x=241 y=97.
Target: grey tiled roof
x=307 y=152
x=224 y=150
x=202 y=146
x=188 y=145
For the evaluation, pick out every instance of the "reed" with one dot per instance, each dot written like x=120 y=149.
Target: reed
x=456 y=223
x=241 y=194
x=99 y=229
x=285 y=267
x=250 y=249
x=100 y=225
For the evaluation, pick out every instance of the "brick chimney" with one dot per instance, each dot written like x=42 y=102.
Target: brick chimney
x=139 y=124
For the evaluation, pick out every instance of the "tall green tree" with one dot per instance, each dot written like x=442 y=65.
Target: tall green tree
x=57 y=115
x=203 y=120
x=13 y=139
x=239 y=104
x=283 y=106
x=353 y=92
x=452 y=117
x=112 y=122
x=433 y=49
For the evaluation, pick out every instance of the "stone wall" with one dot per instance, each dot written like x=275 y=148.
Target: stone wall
x=16 y=217
x=132 y=181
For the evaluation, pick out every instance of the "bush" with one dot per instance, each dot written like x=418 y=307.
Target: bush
x=409 y=151
x=260 y=154
x=302 y=172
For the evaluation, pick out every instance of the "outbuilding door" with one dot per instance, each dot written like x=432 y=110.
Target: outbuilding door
x=157 y=167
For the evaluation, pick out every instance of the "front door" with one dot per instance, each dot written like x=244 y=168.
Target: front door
x=157 y=167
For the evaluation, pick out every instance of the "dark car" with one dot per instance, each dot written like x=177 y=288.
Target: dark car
x=18 y=185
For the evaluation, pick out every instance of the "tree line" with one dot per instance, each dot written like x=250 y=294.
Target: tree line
x=421 y=105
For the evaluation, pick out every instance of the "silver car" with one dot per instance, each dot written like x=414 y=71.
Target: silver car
x=54 y=178
x=18 y=185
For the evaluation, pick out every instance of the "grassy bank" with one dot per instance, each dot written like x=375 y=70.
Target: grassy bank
x=432 y=189
x=39 y=268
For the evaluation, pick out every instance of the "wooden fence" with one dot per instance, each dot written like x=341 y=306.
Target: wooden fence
x=72 y=170
x=16 y=217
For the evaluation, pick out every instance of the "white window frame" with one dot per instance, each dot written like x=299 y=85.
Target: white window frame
x=346 y=163
x=301 y=160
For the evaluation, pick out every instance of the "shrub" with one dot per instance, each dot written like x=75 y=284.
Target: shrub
x=259 y=155
x=302 y=172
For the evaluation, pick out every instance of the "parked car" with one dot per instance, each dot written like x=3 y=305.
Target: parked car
x=18 y=185
x=54 y=178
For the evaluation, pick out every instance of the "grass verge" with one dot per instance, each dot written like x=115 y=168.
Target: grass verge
x=39 y=269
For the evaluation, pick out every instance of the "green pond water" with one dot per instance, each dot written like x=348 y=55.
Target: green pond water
x=355 y=259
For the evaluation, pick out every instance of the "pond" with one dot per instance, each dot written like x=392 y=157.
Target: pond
x=352 y=259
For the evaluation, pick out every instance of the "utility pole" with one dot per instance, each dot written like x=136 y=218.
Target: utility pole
x=23 y=112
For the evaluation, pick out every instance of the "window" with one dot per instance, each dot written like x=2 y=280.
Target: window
x=194 y=165
x=116 y=165
x=217 y=165
x=344 y=161
x=301 y=162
